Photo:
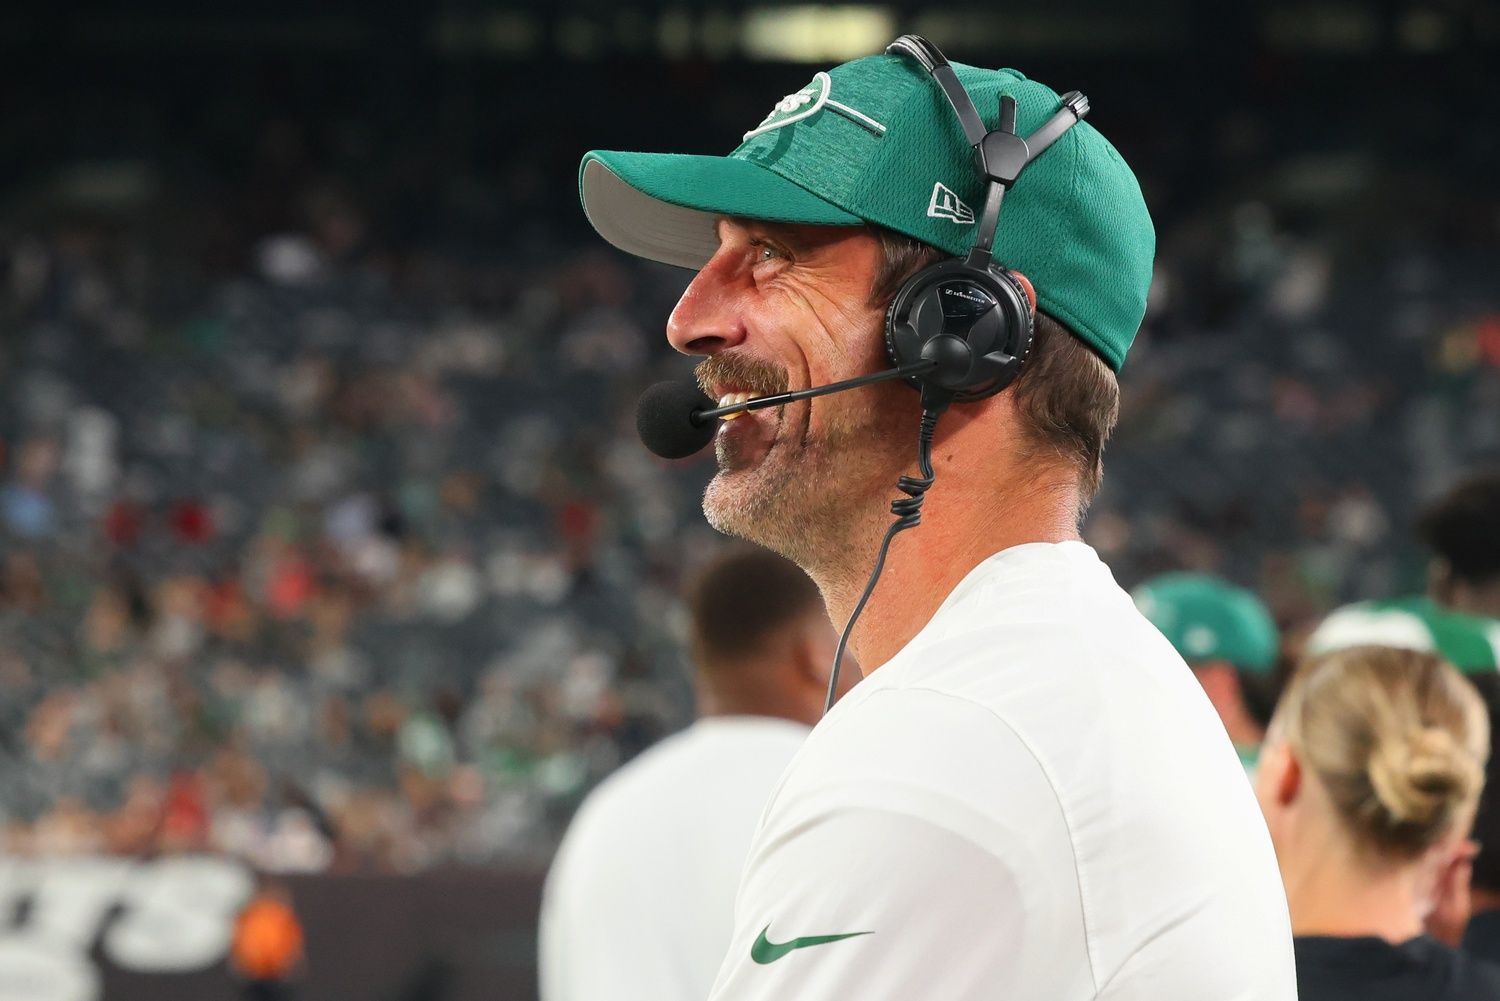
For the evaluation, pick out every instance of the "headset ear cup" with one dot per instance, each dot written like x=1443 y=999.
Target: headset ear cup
x=1022 y=310
x=1027 y=289
x=989 y=310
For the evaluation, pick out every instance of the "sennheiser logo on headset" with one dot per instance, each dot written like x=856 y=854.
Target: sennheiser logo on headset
x=971 y=296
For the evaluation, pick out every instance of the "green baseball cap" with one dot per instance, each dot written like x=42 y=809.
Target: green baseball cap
x=1470 y=643
x=1206 y=618
x=875 y=141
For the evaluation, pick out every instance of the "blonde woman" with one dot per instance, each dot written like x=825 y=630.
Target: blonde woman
x=1369 y=781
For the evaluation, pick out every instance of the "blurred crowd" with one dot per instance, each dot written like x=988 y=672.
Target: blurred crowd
x=339 y=552
x=336 y=563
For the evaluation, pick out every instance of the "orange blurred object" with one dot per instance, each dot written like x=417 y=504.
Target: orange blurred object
x=267 y=939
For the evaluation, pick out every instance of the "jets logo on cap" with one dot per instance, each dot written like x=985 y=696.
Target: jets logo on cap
x=794 y=107
x=808 y=102
x=946 y=205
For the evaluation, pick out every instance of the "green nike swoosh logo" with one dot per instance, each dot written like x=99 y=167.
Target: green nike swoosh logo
x=765 y=951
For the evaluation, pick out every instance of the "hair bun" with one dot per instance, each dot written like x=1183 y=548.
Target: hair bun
x=1421 y=777
x=1397 y=738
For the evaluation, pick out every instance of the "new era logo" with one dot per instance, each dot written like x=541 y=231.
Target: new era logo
x=946 y=205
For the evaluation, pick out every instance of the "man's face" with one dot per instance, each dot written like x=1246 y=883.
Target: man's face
x=782 y=307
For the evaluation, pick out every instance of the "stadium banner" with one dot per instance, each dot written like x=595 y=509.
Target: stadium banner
x=111 y=929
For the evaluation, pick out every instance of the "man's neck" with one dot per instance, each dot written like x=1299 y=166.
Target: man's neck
x=718 y=698
x=963 y=524
x=1242 y=728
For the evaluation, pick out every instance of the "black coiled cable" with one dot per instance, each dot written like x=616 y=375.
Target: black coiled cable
x=908 y=512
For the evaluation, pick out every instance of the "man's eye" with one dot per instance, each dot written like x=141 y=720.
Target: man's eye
x=765 y=252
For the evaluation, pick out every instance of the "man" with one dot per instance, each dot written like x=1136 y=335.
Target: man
x=1028 y=796
x=1458 y=618
x=640 y=900
x=1229 y=639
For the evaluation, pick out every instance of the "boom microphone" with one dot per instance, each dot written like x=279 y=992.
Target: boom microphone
x=676 y=419
x=664 y=418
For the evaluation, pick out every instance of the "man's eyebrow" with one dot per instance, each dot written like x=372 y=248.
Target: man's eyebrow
x=787 y=236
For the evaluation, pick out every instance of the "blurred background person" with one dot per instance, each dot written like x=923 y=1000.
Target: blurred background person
x=1228 y=638
x=640 y=899
x=1463 y=532
x=1369 y=780
x=1458 y=618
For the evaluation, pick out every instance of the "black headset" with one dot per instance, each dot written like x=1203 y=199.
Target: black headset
x=968 y=315
x=957 y=330
x=964 y=323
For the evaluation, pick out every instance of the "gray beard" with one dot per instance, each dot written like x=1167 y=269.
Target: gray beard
x=817 y=506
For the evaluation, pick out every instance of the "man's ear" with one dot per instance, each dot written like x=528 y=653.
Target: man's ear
x=1028 y=288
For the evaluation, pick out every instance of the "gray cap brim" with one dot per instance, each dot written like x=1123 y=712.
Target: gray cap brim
x=665 y=206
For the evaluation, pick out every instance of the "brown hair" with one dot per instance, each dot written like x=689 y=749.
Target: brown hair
x=1460 y=528
x=1397 y=738
x=1067 y=394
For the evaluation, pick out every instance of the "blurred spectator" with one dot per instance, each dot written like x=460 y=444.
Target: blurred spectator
x=1462 y=530
x=1459 y=619
x=1227 y=637
x=25 y=502
x=640 y=899
x=1370 y=778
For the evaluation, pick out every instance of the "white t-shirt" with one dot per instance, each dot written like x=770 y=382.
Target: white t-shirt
x=1033 y=800
x=639 y=903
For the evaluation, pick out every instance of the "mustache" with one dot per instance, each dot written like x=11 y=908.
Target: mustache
x=760 y=378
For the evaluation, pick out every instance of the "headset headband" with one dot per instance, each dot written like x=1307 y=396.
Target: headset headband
x=1000 y=155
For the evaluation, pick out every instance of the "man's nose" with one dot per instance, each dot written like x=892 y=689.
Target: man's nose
x=707 y=318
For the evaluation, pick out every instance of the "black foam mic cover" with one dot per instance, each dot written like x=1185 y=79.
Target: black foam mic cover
x=664 y=419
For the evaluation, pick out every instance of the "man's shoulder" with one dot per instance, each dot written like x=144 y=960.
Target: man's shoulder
x=1024 y=658
x=746 y=752
x=1015 y=717
x=1015 y=664
x=1046 y=604
x=922 y=752
x=912 y=719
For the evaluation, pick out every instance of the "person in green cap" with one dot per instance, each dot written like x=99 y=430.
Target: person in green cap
x=1227 y=636
x=1027 y=794
x=1458 y=619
